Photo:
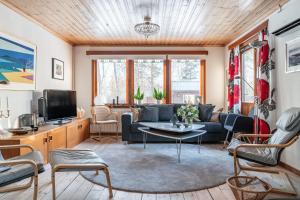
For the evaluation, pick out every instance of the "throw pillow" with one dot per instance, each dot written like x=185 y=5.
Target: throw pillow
x=148 y=114
x=135 y=114
x=205 y=112
x=216 y=115
x=165 y=112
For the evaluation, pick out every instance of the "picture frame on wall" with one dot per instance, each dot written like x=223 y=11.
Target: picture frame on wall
x=57 y=69
x=17 y=64
x=293 y=56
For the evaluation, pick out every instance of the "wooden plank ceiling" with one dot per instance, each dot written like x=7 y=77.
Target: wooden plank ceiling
x=182 y=22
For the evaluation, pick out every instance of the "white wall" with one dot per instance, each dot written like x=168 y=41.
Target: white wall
x=214 y=70
x=48 y=46
x=288 y=84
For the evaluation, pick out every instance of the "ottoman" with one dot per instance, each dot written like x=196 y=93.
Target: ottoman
x=62 y=160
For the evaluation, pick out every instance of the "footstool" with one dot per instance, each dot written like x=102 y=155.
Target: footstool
x=62 y=160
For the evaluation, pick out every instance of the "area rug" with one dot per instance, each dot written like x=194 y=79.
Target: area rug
x=156 y=170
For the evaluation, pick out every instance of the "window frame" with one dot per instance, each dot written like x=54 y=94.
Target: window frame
x=130 y=82
x=246 y=106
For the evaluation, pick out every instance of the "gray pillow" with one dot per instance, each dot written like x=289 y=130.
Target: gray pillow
x=148 y=114
x=165 y=112
x=289 y=120
x=205 y=111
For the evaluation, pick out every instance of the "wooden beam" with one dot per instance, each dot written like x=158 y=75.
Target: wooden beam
x=167 y=80
x=94 y=81
x=146 y=52
x=203 y=80
x=249 y=35
x=129 y=82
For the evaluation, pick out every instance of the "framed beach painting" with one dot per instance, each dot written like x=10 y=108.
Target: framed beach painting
x=17 y=64
x=57 y=69
x=293 y=56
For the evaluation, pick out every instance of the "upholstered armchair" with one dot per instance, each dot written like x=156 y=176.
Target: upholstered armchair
x=101 y=116
x=238 y=123
x=19 y=168
x=268 y=153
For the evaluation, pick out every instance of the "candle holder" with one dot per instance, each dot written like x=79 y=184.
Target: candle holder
x=4 y=113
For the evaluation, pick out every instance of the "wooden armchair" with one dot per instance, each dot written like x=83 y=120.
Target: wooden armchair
x=267 y=154
x=19 y=168
x=102 y=115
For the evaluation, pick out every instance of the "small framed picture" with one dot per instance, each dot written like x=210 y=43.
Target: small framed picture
x=293 y=56
x=57 y=69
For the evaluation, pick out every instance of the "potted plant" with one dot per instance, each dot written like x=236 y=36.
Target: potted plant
x=139 y=96
x=188 y=113
x=158 y=95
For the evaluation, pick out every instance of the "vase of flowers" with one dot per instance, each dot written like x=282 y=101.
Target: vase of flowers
x=189 y=113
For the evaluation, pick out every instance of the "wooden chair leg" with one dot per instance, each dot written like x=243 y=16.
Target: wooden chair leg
x=53 y=184
x=226 y=139
x=108 y=182
x=35 y=190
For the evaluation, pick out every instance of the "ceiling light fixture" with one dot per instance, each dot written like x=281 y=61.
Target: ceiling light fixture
x=147 y=28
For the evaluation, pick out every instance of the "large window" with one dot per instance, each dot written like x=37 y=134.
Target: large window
x=148 y=74
x=248 y=75
x=111 y=81
x=185 y=81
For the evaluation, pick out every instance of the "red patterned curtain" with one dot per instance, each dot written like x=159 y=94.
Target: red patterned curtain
x=266 y=85
x=234 y=104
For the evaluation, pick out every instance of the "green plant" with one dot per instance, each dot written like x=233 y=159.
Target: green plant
x=188 y=113
x=158 y=95
x=139 y=95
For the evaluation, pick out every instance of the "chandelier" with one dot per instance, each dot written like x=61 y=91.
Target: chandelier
x=147 y=28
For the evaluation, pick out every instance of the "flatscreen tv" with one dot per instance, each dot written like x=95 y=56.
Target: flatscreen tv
x=59 y=105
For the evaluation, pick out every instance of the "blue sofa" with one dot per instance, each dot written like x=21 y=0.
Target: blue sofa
x=130 y=133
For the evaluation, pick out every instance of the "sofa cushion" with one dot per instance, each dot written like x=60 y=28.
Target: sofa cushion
x=165 y=112
x=135 y=126
x=211 y=126
x=205 y=112
x=149 y=114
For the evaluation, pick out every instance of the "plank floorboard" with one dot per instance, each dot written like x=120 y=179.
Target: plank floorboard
x=70 y=185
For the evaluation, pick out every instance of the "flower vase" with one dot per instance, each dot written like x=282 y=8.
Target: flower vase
x=189 y=122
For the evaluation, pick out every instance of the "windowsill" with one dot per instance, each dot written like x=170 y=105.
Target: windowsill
x=118 y=105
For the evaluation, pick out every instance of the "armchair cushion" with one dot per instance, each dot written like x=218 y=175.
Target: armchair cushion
x=259 y=155
x=289 y=120
x=20 y=172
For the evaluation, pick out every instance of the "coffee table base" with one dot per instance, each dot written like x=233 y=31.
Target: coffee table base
x=178 y=140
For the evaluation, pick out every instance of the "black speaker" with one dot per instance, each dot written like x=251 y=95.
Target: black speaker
x=41 y=107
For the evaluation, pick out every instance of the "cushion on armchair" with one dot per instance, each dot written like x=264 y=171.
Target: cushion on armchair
x=19 y=172
x=260 y=155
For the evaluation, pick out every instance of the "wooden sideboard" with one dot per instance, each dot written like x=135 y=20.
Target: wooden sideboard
x=49 y=137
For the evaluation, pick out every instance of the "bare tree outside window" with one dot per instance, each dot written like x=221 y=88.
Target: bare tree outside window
x=185 y=81
x=148 y=74
x=111 y=80
x=248 y=76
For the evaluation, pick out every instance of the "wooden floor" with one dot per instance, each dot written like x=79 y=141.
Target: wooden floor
x=71 y=186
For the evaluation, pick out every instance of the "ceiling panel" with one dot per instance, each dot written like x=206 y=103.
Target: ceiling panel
x=182 y=22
